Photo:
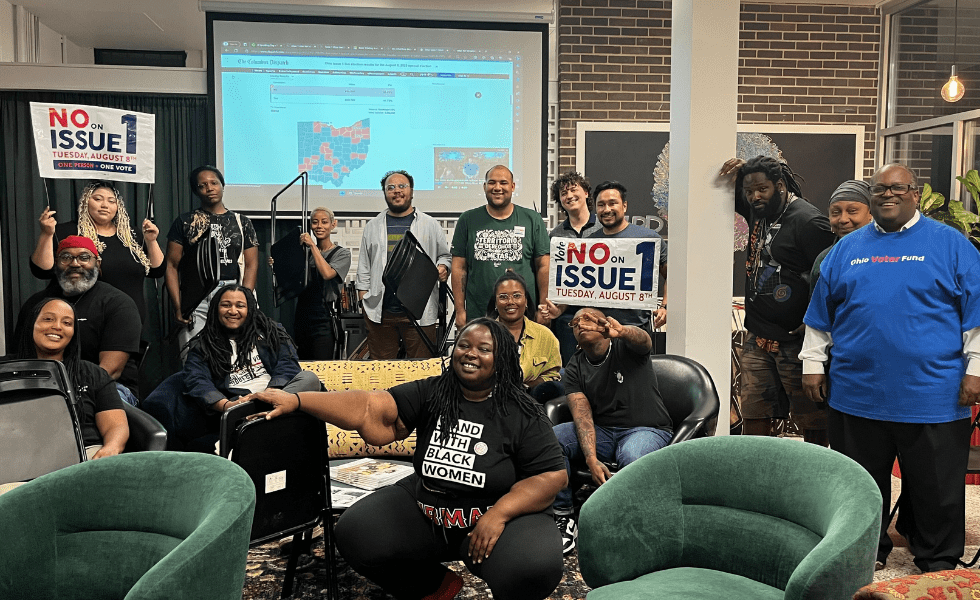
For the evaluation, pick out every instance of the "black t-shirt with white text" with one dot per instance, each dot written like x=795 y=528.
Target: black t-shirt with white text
x=458 y=478
x=189 y=228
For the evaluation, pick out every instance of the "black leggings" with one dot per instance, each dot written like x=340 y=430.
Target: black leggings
x=386 y=538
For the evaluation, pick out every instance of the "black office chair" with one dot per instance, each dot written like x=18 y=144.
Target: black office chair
x=286 y=458
x=145 y=432
x=39 y=429
x=689 y=395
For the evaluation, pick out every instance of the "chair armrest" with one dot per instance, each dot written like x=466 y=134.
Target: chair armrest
x=701 y=422
x=145 y=432
x=557 y=410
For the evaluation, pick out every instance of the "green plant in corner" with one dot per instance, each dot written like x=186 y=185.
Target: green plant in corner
x=953 y=213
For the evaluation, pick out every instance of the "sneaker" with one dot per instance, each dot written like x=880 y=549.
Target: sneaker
x=450 y=586
x=569 y=532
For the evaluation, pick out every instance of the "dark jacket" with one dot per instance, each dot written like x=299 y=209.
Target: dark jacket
x=206 y=388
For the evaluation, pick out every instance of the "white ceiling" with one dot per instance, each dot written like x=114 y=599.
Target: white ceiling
x=133 y=24
x=180 y=24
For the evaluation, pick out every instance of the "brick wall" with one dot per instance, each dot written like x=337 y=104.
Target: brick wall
x=802 y=64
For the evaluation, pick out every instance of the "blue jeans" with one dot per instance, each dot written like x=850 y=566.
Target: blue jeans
x=622 y=445
x=126 y=395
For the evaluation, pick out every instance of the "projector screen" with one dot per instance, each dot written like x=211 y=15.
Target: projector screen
x=348 y=100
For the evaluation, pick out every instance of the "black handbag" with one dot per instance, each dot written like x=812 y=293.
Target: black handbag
x=198 y=273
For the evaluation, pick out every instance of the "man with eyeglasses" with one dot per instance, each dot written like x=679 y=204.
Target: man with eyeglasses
x=896 y=313
x=384 y=316
x=106 y=319
x=617 y=411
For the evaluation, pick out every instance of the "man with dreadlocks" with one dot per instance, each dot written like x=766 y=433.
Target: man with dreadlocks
x=127 y=257
x=487 y=468
x=787 y=234
x=239 y=351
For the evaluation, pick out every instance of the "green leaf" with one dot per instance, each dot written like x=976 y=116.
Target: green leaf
x=974 y=178
x=957 y=210
x=930 y=200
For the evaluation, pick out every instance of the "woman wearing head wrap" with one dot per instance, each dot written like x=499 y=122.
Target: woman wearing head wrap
x=850 y=210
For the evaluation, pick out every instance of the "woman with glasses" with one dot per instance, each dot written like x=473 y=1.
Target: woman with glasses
x=538 y=347
x=128 y=257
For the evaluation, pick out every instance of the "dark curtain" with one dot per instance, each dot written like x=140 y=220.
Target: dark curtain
x=181 y=145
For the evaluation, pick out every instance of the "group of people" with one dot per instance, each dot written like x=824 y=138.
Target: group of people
x=897 y=346
x=864 y=326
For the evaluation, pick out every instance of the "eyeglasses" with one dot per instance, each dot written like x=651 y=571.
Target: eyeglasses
x=66 y=258
x=517 y=296
x=897 y=189
x=392 y=187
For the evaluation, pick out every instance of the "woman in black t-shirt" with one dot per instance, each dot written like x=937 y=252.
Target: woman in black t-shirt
x=487 y=469
x=128 y=257
x=105 y=428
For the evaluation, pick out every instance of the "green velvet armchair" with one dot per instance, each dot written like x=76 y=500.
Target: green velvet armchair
x=732 y=517
x=148 y=525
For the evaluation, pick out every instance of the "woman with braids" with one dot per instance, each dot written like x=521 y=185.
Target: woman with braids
x=105 y=428
x=127 y=257
x=239 y=351
x=787 y=234
x=487 y=468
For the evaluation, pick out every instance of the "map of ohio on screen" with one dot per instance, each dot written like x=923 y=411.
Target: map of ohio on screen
x=330 y=153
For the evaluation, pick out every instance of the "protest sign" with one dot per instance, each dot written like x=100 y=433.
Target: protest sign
x=610 y=272
x=74 y=141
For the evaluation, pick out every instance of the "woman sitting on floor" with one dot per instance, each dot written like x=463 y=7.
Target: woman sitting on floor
x=487 y=467
x=536 y=344
x=240 y=350
x=105 y=428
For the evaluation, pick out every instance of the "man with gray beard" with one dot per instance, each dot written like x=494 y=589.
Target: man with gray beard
x=106 y=319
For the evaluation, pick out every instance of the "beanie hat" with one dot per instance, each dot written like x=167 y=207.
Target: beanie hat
x=852 y=190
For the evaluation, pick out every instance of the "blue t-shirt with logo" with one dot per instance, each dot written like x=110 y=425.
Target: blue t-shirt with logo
x=897 y=305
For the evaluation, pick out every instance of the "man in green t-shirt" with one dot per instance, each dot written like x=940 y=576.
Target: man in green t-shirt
x=491 y=239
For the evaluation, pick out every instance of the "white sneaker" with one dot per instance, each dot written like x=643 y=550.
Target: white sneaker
x=569 y=532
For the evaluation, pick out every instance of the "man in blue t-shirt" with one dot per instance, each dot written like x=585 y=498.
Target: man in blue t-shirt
x=896 y=314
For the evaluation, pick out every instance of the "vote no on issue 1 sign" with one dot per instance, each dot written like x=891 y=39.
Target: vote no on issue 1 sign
x=74 y=141
x=611 y=272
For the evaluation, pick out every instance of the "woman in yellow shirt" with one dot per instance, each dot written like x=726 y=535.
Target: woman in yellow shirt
x=540 y=356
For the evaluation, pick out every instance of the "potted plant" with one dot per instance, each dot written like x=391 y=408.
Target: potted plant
x=953 y=213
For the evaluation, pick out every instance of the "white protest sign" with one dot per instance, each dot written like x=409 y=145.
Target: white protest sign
x=611 y=272
x=74 y=141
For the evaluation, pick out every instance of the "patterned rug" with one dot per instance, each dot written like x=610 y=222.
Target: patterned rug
x=267 y=565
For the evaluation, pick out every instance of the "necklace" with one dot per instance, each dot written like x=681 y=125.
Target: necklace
x=599 y=364
x=762 y=240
